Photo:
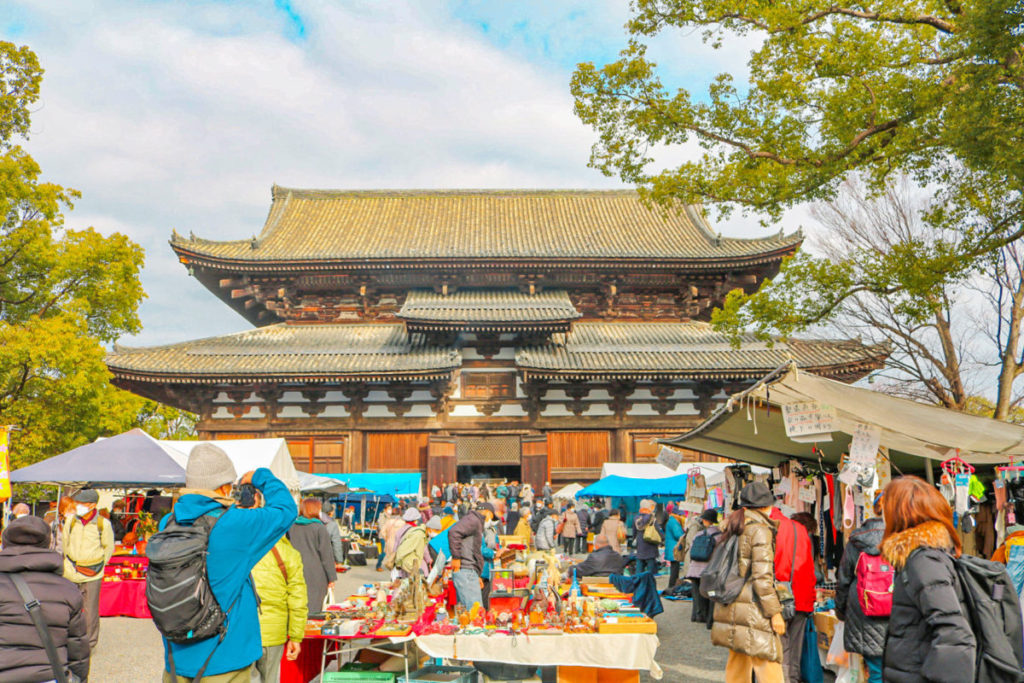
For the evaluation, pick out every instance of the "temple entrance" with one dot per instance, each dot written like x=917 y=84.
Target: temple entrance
x=488 y=457
x=471 y=473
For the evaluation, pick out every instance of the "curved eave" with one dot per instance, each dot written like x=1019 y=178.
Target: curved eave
x=126 y=375
x=850 y=372
x=189 y=255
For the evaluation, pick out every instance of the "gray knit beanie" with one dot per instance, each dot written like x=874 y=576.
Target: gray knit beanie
x=209 y=467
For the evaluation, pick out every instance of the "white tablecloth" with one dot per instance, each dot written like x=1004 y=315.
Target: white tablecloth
x=605 y=651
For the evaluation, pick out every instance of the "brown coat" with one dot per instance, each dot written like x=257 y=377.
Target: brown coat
x=745 y=625
x=571 y=528
x=611 y=529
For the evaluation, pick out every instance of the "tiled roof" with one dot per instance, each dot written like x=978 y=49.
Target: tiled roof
x=591 y=349
x=693 y=348
x=309 y=351
x=321 y=225
x=489 y=306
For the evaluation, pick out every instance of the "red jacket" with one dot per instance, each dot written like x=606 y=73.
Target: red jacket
x=803 y=582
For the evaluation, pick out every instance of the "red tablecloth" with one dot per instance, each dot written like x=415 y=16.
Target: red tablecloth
x=124 y=599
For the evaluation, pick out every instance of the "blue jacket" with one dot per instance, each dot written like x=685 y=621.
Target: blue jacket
x=238 y=541
x=673 y=532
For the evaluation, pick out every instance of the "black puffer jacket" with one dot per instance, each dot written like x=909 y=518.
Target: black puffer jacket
x=863 y=634
x=929 y=637
x=22 y=656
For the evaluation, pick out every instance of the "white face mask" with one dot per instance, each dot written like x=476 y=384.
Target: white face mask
x=82 y=510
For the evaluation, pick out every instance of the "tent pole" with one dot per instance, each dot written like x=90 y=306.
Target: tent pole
x=929 y=476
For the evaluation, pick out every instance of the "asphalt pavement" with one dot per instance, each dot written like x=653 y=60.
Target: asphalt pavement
x=130 y=650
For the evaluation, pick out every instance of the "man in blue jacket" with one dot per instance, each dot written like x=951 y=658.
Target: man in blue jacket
x=238 y=540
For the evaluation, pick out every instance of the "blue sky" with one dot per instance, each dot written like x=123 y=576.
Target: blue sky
x=181 y=114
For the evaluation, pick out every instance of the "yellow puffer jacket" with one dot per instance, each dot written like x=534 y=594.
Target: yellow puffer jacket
x=745 y=624
x=282 y=602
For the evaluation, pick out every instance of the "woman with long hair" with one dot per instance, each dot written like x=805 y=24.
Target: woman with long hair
x=309 y=536
x=750 y=626
x=929 y=637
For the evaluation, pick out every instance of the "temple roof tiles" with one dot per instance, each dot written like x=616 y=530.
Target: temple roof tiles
x=397 y=225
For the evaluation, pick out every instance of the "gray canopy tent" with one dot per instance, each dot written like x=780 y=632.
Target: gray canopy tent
x=750 y=426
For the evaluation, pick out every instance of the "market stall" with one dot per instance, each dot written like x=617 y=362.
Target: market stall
x=539 y=615
x=827 y=448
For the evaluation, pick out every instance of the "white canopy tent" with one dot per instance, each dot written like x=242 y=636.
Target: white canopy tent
x=640 y=470
x=750 y=427
x=246 y=454
x=568 y=492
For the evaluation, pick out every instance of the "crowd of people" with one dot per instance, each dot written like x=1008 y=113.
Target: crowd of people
x=270 y=563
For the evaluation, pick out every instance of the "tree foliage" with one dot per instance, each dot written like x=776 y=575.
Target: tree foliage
x=63 y=294
x=930 y=88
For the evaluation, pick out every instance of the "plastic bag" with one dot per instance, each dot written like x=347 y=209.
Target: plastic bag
x=837 y=654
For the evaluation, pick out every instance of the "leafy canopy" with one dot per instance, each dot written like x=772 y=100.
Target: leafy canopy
x=933 y=89
x=63 y=294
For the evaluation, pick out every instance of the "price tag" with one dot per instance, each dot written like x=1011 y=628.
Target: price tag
x=810 y=419
x=864 y=445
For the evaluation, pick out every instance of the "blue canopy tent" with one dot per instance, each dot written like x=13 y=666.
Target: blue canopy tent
x=614 y=486
x=397 y=484
x=126 y=460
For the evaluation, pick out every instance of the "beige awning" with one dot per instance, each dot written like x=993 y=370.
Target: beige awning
x=750 y=428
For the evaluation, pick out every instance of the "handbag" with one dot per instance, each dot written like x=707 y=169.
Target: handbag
x=651 y=533
x=811 y=670
x=784 y=589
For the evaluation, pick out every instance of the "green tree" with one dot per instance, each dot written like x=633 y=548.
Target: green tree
x=930 y=88
x=63 y=295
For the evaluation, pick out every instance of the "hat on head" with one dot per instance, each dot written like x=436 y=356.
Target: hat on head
x=86 y=496
x=710 y=515
x=670 y=507
x=209 y=467
x=30 y=531
x=486 y=506
x=412 y=515
x=434 y=524
x=756 y=495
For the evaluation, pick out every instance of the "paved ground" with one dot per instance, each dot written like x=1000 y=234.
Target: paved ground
x=130 y=650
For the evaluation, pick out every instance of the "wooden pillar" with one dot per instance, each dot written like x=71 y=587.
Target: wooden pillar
x=355 y=452
x=622 y=449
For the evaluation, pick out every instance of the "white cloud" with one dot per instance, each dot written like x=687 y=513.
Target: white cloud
x=181 y=115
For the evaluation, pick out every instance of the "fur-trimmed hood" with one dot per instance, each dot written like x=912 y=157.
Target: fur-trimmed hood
x=897 y=548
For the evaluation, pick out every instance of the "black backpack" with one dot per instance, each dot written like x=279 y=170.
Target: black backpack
x=721 y=582
x=178 y=591
x=703 y=546
x=993 y=610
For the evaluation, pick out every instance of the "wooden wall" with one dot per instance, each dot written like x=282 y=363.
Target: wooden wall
x=578 y=450
x=403 y=451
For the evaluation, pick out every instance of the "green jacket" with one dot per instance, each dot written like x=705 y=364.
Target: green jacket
x=282 y=603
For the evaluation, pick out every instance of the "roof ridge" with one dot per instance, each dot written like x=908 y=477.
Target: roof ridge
x=281 y=192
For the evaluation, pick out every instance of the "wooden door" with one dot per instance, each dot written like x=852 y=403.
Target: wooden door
x=396 y=451
x=535 y=461
x=440 y=460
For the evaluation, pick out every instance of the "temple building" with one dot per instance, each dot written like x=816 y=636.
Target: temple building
x=528 y=334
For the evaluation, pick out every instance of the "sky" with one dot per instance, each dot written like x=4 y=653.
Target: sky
x=180 y=114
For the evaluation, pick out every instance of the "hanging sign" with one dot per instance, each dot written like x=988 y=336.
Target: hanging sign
x=864 y=446
x=669 y=457
x=5 y=470
x=809 y=422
